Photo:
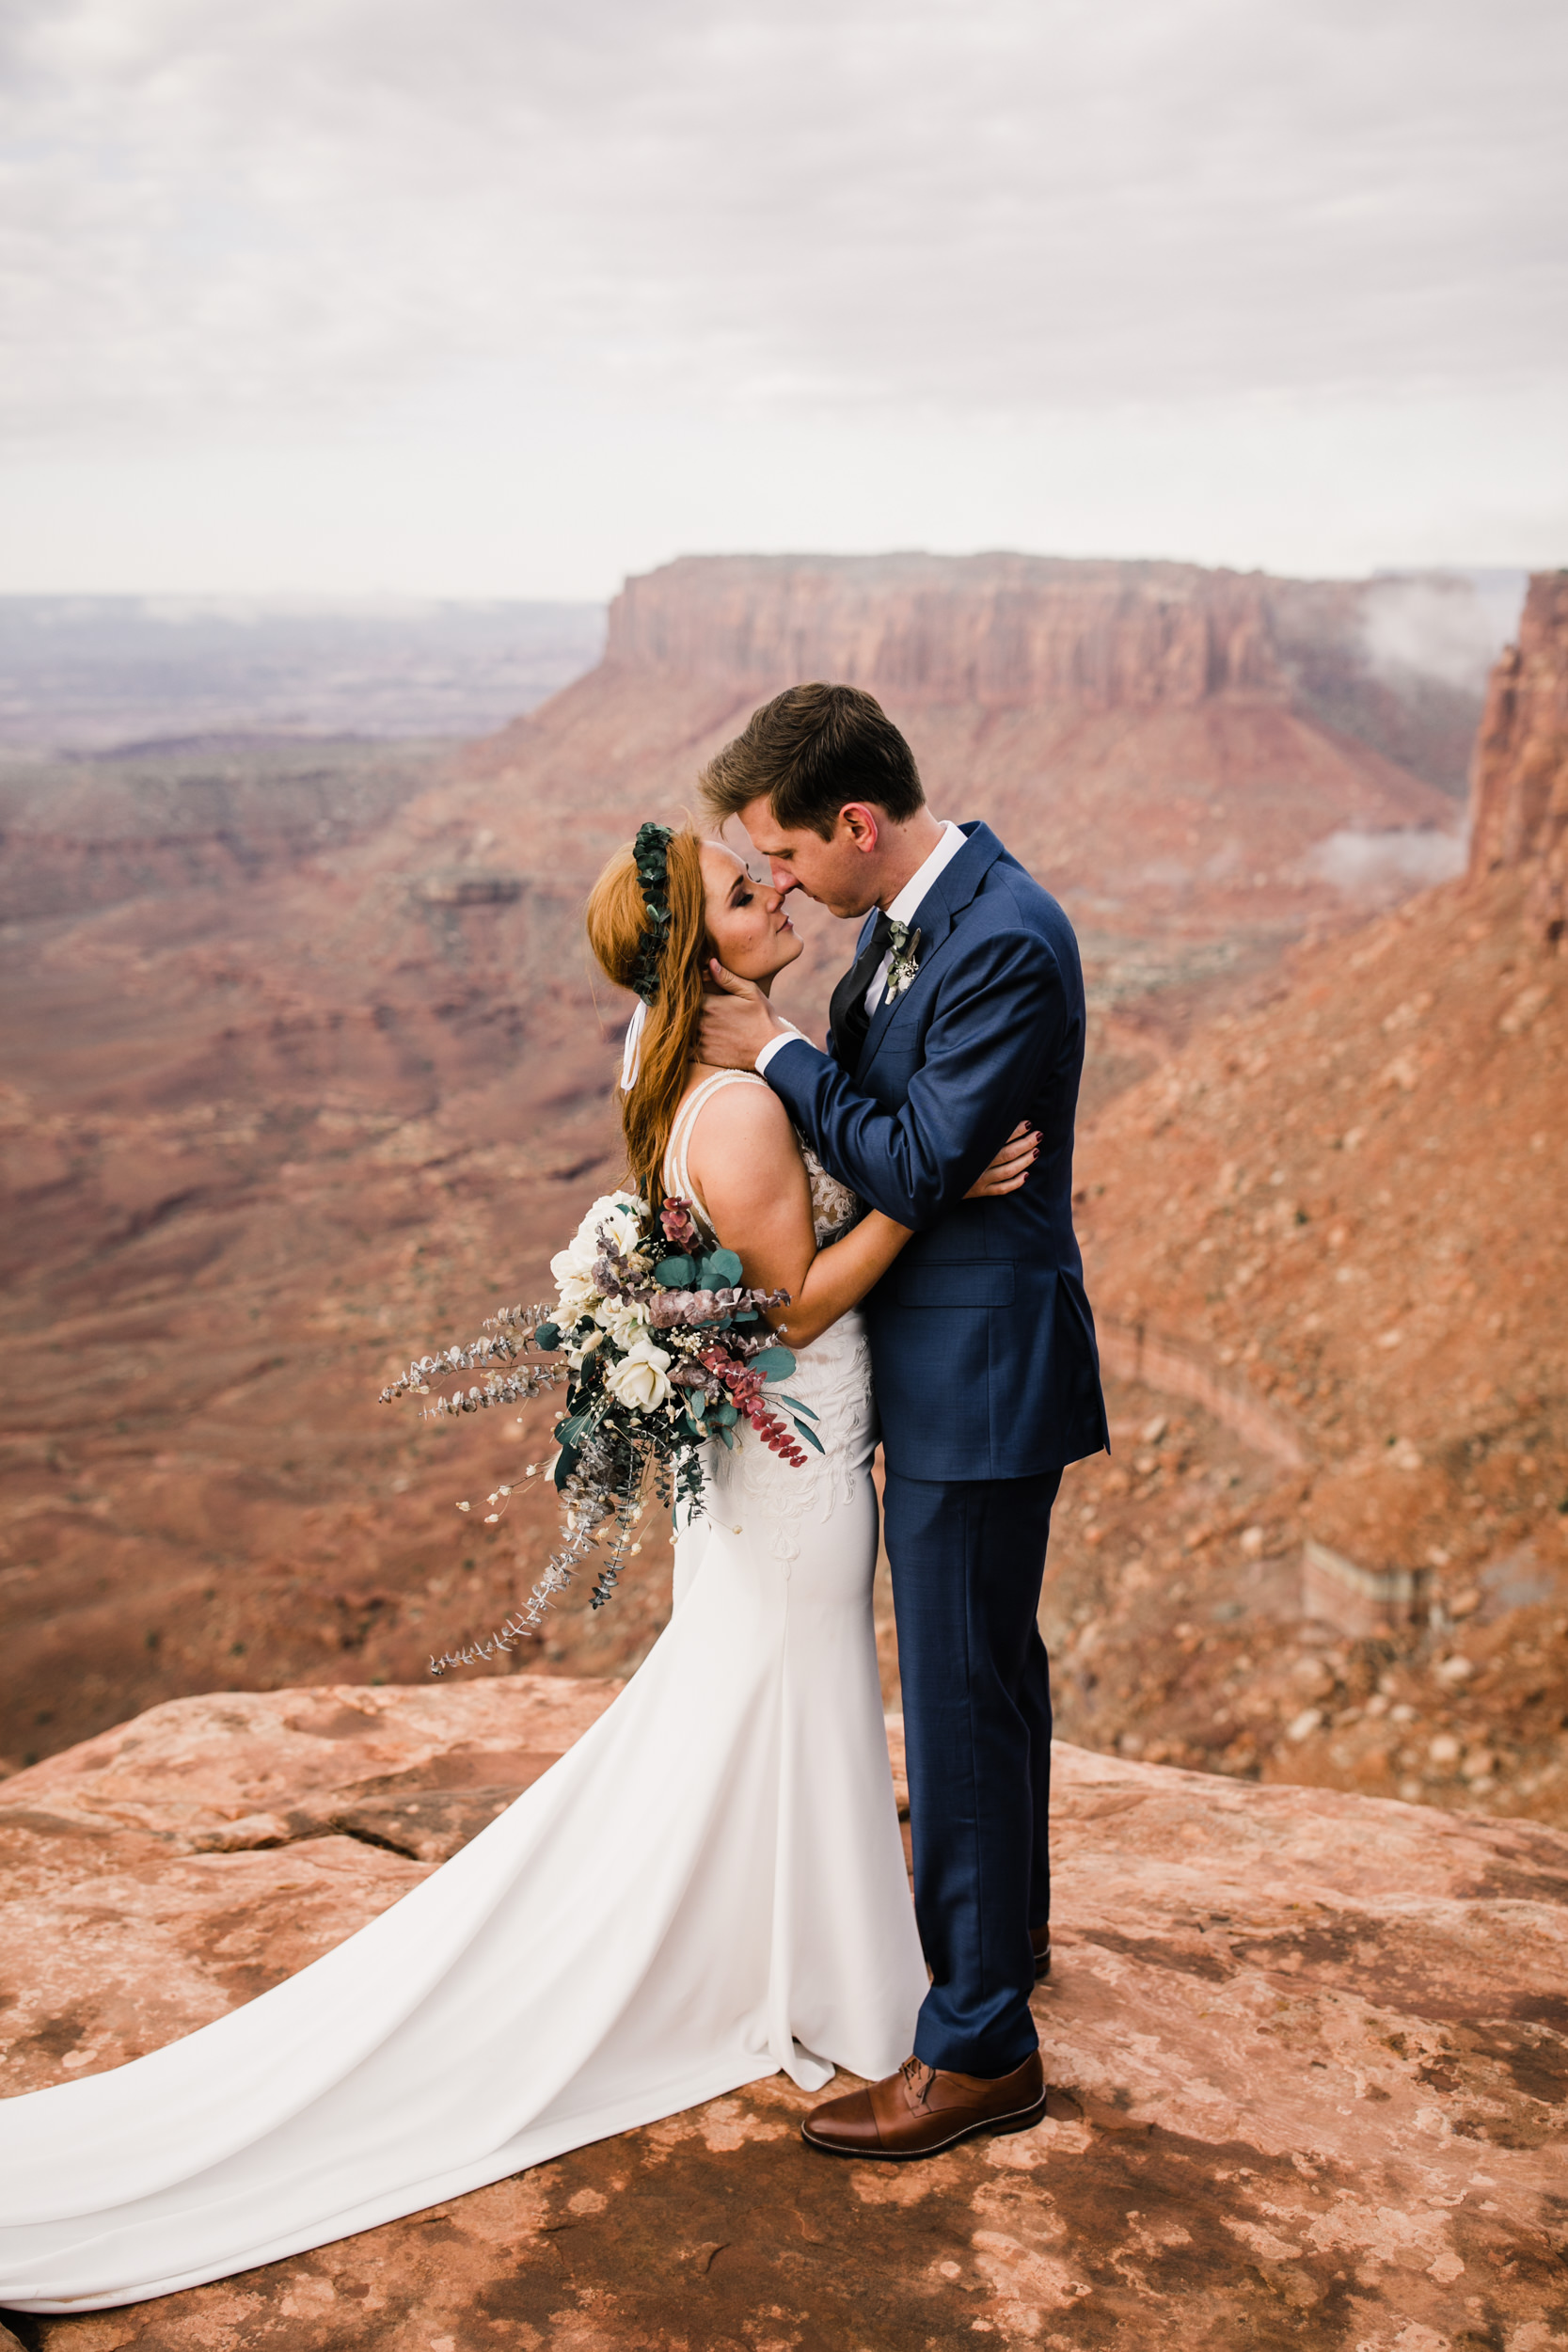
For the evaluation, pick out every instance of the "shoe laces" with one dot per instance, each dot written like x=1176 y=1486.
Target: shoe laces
x=918 y=2078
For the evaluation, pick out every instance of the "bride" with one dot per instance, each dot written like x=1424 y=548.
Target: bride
x=708 y=1888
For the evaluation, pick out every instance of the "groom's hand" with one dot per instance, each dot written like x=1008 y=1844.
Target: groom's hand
x=738 y=1022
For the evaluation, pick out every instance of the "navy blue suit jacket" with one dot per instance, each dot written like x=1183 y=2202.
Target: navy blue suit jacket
x=981 y=1335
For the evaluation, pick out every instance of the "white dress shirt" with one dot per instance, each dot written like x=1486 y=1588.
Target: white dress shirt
x=902 y=911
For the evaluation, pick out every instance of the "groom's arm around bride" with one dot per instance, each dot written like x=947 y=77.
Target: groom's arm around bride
x=962 y=1014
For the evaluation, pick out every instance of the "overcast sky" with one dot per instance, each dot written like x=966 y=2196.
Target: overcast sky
x=496 y=297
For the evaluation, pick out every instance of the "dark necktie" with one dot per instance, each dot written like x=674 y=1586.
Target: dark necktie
x=847 y=1019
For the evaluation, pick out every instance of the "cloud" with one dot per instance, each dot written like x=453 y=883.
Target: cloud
x=1379 y=868
x=1442 y=628
x=271 y=218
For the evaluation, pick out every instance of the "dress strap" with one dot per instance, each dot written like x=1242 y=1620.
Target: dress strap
x=677 y=1177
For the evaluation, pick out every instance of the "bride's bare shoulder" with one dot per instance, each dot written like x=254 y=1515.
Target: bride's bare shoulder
x=742 y=1138
x=749 y=1115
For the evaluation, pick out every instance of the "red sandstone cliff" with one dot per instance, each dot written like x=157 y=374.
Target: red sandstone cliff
x=1345 y=1208
x=1001 y=631
x=1004 y=631
x=1520 y=789
x=1175 y=751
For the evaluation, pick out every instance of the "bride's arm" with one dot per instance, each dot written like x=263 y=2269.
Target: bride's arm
x=838 y=1279
x=747 y=1165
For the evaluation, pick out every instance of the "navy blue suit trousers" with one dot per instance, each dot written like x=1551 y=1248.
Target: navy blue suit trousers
x=967 y=1557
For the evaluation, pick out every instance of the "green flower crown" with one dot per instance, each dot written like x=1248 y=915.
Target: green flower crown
x=651 y=851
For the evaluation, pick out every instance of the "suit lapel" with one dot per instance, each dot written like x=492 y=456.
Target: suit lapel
x=934 y=920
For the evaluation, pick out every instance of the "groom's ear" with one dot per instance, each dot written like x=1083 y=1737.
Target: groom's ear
x=858 y=826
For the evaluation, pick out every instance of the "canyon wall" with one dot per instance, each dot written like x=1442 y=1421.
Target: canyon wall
x=1520 y=789
x=1397 y=664
x=1349 y=1199
x=1003 y=630
x=1182 y=755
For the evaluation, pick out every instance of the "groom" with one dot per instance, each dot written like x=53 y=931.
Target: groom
x=962 y=1014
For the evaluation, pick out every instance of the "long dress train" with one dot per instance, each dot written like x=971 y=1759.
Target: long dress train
x=709 y=1886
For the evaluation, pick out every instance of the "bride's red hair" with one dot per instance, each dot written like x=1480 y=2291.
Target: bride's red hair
x=617 y=931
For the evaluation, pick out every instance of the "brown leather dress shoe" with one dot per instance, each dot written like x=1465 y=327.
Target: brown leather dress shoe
x=1040 y=1939
x=919 y=2111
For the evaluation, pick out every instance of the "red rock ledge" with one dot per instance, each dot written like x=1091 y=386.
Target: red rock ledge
x=1312 y=2052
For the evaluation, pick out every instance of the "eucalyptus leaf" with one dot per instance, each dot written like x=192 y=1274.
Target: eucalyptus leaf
x=720 y=1270
x=722 y=1415
x=676 y=1274
x=548 y=1335
x=796 y=1406
x=774 y=1363
x=810 y=1435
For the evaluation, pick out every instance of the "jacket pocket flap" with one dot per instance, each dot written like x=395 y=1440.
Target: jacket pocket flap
x=973 y=1282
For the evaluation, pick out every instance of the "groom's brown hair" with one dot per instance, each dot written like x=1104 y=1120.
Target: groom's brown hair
x=809 y=751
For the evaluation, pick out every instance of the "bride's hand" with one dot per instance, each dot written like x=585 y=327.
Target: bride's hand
x=1010 y=1167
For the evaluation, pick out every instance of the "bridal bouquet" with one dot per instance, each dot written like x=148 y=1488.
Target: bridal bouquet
x=662 y=1349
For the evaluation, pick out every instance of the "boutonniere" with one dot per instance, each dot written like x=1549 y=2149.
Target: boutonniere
x=904 y=962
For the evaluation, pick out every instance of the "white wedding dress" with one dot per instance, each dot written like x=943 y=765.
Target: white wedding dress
x=709 y=1886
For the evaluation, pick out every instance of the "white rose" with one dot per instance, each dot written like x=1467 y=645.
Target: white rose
x=573 y=1266
x=576 y=1261
x=626 y=1322
x=638 y=1379
x=579 y=1297
x=622 y=1212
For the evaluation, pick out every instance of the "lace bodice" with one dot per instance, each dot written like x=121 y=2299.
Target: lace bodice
x=834 y=1206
